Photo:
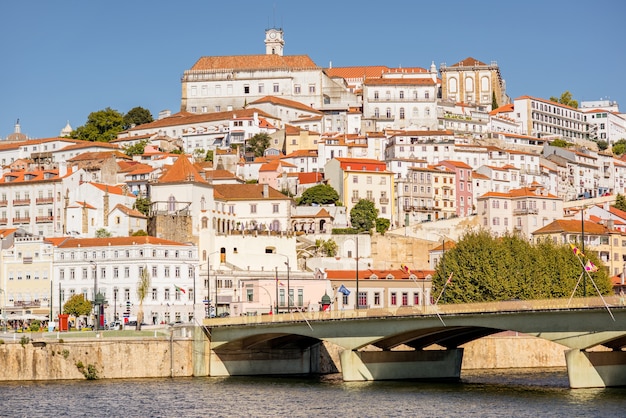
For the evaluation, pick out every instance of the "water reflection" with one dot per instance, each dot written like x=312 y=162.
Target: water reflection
x=519 y=393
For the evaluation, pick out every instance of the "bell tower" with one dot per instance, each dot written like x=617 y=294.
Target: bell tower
x=274 y=41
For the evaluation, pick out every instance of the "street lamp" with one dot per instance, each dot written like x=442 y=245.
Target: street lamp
x=288 y=284
x=208 y=285
x=582 y=238
x=95 y=294
x=357 y=266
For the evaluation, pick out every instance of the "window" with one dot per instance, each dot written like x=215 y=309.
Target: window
x=261 y=88
x=401 y=113
x=276 y=89
x=275 y=208
x=253 y=208
x=246 y=89
x=394 y=298
x=311 y=88
x=296 y=89
x=355 y=180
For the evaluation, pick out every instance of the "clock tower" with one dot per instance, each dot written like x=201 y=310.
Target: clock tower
x=274 y=41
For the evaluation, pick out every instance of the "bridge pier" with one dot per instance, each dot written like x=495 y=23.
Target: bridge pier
x=394 y=365
x=595 y=369
x=265 y=362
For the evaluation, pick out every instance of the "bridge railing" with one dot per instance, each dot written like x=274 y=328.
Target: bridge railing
x=429 y=310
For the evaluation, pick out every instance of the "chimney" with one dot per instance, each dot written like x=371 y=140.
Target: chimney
x=266 y=191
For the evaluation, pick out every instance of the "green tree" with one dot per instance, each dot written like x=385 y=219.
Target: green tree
x=328 y=248
x=135 y=149
x=137 y=116
x=487 y=268
x=559 y=142
x=77 y=305
x=258 y=144
x=602 y=145
x=382 y=225
x=101 y=126
x=103 y=233
x=142 y=204
x=322 y=194
x=143 y=287
x=619 y=147
x=363 y=215
x=566 y=99
x=494 y=102
x=620 y=202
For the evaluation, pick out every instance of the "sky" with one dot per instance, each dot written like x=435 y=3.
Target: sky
x=62 y=60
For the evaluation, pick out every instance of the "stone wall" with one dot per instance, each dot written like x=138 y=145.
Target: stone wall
x=128 y=358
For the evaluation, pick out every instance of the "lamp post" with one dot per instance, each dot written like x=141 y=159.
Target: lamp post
x=276 y=300
x=208 y=284
x=288 y=284
x=357 y=266
x=95 y=294
x=582 y=238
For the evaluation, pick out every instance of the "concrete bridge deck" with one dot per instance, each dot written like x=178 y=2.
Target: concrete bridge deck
x=421 y=342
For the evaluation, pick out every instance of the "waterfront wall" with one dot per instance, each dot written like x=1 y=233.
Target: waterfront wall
x=179 y=357
x=111 y=359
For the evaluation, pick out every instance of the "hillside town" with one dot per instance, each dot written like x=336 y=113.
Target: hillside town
x=438 y=150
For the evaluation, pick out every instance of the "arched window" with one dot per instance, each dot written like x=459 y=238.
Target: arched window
x=171 y=204
x=484 y=83
x=452 y=85
x=388 y=112
x=469 y=84
x=376 y=112
x=205 y=222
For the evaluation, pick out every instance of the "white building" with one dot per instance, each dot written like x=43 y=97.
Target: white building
x=113 y=266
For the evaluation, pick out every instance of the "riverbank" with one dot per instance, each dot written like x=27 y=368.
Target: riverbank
x=183 y=352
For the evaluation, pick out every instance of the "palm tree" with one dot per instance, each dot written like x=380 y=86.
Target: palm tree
x=143 y=286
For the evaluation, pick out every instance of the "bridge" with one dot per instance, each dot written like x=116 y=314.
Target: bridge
x=420 y=342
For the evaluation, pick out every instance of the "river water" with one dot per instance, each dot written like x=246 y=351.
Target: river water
x=501 y=393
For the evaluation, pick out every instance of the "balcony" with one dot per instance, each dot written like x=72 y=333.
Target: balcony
x=525 y=211
x=355 y=199
x=3 y=203
x=44 y=200
x=384 y=200
x=21 y=202
x=21 y=220
x=3 y=221
x=27 y=303
x=44 y=219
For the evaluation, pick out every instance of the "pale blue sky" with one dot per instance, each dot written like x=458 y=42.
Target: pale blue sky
x=61 y=60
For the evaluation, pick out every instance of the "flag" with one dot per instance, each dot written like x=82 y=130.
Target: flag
x=576 y=251
x=179 y=289
x=590 y=267
x=405 y=269
x=344 y=290
x=281 y=284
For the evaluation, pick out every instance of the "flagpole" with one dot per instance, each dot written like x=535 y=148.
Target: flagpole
x=444 y=287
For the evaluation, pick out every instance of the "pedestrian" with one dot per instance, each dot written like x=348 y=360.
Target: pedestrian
x=621 y=297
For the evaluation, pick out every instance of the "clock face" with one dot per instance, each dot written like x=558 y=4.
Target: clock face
x=272 y=35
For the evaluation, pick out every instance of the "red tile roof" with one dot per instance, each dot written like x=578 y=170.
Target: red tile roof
x=181 y=171
x=116 y=241
x=245 y=192
x=255 y=62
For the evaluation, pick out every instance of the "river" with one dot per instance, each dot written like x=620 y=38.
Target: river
x=500 y=393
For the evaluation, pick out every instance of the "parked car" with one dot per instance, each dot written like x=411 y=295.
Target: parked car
x=115 y=325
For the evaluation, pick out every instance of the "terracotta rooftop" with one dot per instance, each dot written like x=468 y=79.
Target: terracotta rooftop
x=116 y=241
x=181 y=171
x=254 y=62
